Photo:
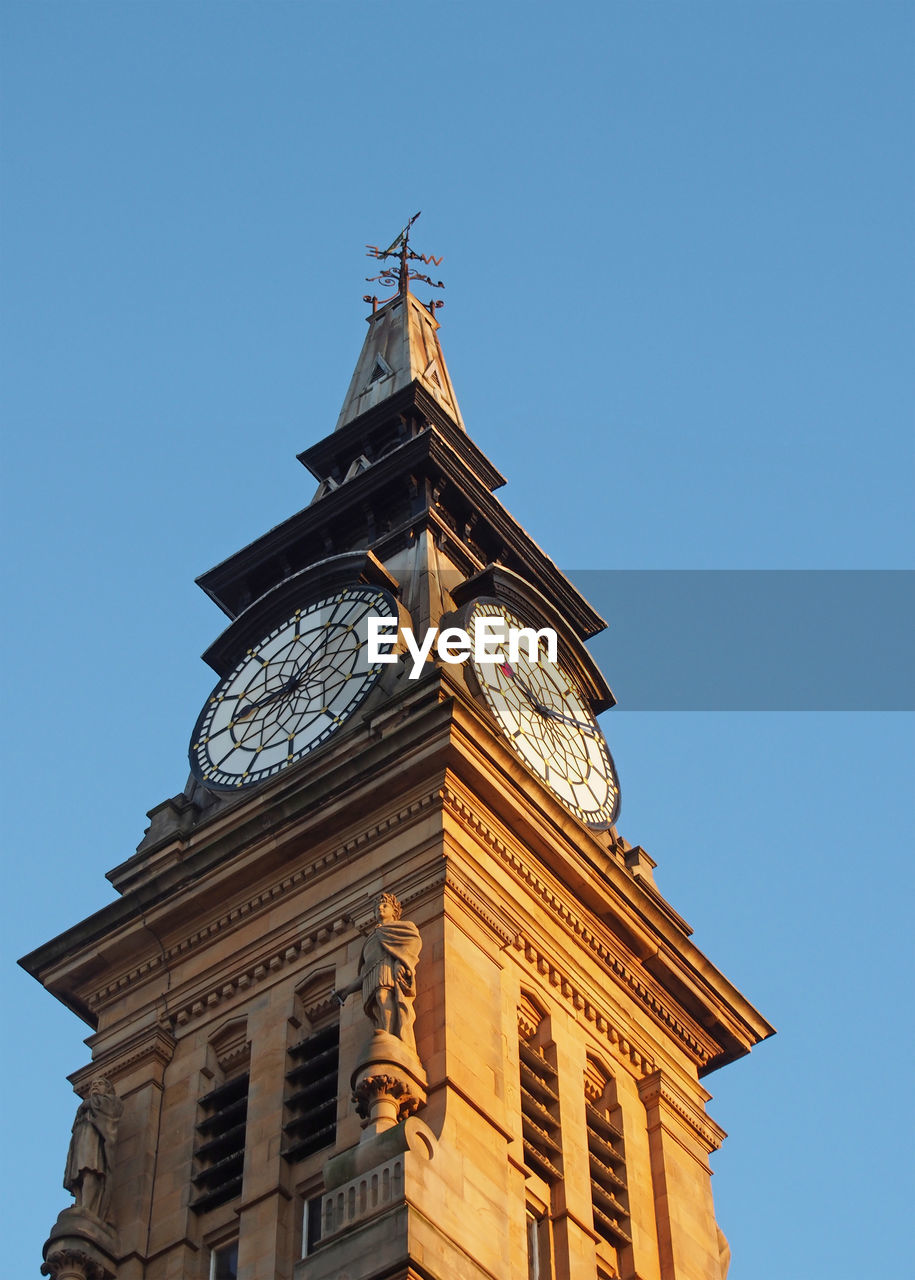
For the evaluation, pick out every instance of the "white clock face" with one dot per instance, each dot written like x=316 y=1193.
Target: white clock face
x=546 y=721
x=289 y=692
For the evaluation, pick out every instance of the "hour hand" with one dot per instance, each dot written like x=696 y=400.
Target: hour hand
x=243 y=712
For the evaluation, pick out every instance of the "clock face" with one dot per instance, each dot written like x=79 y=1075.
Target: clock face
x=547 y=722
x=289 y=692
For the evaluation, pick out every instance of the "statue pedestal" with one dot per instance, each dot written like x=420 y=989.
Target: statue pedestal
x=80 y=1247
x=369 y=1223
x=389 y=1084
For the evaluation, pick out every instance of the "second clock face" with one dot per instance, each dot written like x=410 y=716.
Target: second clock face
x=289 y=692
x=547 y=721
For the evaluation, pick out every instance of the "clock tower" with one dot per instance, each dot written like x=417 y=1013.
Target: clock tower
x=385 y=993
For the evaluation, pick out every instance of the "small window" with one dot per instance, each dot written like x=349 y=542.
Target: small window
x=224 y=1262
x=311 y=1224
x=538 y=1246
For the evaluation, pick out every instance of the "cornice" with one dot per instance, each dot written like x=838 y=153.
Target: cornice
x=504 y=932
x=660 y=1088
x=624 y=975
x=151 y=1047
x=337 y=522
x=267 y=963
x=621 y=1043
x=272 y=957
x=334 y=451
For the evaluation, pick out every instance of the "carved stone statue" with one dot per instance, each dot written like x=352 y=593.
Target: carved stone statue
x=387 y=972
x=90 y=1157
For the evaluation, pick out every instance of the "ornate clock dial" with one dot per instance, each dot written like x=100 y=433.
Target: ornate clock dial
x=289 y=692
x=548 y=724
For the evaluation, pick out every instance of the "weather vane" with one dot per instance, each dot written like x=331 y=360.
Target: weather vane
x=399 y=276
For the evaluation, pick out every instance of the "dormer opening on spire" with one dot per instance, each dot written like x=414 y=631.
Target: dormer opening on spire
x=380 y=369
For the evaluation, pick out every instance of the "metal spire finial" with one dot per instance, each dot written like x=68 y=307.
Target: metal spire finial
x=401 y=275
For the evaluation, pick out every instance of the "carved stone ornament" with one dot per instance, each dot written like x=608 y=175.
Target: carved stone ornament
x=385 y=1095
x=389 y=1082
x=90 y=1158
x=387 y=972
x=80 y=1247
x=74 y=1264
x=83 y=1245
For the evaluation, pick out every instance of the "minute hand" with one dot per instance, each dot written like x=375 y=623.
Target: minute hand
x=564 y=719
x=243 y=712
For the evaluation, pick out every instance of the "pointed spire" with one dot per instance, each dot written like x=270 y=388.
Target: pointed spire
x=401 y=346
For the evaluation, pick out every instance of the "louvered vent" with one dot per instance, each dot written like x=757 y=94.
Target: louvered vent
x=539 y=1113
x=608 y=1178
x=311 y=1100
x=219 y=1158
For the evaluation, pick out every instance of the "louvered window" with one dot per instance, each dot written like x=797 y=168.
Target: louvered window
x=311 y=1098
x=608 y=1178
x=539 y=1113
x=219 y=1158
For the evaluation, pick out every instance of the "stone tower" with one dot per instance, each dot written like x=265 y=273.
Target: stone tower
x=385 y=993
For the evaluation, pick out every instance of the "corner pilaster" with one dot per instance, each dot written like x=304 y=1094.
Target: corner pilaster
x=681 y=1136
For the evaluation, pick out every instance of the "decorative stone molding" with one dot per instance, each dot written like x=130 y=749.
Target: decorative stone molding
x=620 y=1042
x=151 y=1047
x=74 y=1264
x=500 y=928
x=564 y=912
x=385 y=1093
x=268 y=898
x=231 y=1046
x=530 y=1017
x=80 y=1247
x=596 y=1080
x=264 y=966
x=660 y=1088
x=315 y=995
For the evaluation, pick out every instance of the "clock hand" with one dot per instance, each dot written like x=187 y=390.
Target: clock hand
x=564 y=719
x=291 y=684
x=542 y=708
x=243 y=712
x=532 y=698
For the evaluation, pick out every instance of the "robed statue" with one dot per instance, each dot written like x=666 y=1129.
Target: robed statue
x=91 y=1154
x=387 y=972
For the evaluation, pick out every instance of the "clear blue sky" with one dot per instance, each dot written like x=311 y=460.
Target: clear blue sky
x=678 y=246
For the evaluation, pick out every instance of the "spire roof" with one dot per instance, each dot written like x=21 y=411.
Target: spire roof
x=400 y=348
